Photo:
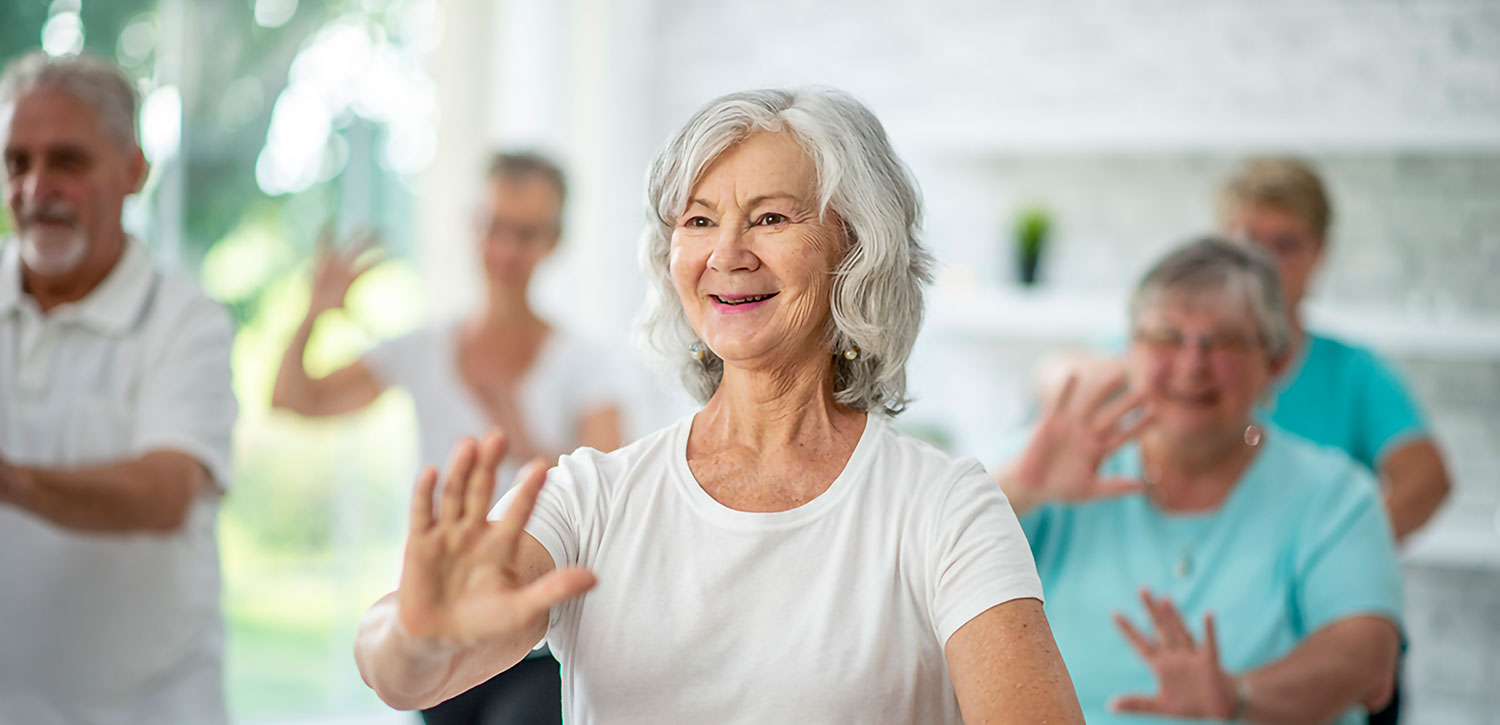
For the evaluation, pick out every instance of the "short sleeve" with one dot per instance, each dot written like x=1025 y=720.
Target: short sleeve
x=186 y=398
x=560 y=518
x=392 y=361
x=1345 y=560
x=1391 y=416
x=979 y=555
x=600 y=377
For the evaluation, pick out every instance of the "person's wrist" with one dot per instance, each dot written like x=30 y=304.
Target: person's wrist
x=1239 y=688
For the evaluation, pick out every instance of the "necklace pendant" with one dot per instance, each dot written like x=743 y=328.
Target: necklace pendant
x=1184 y=567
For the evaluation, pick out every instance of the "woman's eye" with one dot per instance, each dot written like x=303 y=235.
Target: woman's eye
x=770 y=220
x=697 y=222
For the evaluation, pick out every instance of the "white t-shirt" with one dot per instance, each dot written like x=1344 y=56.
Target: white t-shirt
x=98 y=628
x=835 y=611
x=569 y=378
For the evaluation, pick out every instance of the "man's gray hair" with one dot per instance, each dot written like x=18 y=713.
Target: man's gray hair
x=97 y=83
x=876 y=295
x=1225 y=270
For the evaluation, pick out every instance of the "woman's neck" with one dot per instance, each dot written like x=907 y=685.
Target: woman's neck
x=1194 y=473
x=505 y=310
x=773 y=408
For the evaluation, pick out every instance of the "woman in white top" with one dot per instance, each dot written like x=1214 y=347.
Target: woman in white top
x=502 y=366
x=782 y=555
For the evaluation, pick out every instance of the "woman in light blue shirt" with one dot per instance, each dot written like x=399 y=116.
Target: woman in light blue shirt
x=1332 y=392
x=1200 y=563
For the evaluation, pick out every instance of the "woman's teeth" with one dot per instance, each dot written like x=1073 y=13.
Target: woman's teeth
x=742 y=300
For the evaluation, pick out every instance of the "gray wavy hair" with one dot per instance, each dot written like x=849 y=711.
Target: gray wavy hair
x=1223 y=268
x=97 y=83
x=877 y=289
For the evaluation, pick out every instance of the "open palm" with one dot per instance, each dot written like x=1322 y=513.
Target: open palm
x=338 y=268
x=1190 y=681
x=462 y=582
x=1075 y=434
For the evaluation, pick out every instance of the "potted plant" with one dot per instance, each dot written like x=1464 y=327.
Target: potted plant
x=1033 y=224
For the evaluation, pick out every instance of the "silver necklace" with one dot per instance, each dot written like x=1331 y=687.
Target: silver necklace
x=1182 y=567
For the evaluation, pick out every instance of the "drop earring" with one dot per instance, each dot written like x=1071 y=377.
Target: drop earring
x=696 y=350
x=852 y=353
x=1252 y=435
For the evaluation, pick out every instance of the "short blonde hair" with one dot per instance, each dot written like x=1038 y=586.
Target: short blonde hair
x=1281 y=182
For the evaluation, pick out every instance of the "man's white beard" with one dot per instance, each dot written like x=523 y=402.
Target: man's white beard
x=53 y=252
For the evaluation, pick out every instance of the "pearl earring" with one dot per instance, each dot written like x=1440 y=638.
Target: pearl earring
x=852 y=353
x=696 y=350
x=1252 y=435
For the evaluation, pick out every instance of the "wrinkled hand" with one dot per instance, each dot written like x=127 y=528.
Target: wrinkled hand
x=460 y=583
x=1076 y=432
x=338 y=268
x=1190 y=681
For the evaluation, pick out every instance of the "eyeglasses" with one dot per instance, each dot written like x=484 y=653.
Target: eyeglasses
x=490 y=228
x=1166 y=341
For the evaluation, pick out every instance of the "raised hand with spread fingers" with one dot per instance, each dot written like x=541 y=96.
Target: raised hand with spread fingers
x=474 y=594
x=1079 y=428
x=1191 y=683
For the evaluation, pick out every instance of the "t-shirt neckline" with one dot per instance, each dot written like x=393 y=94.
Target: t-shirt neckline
x=710 y=508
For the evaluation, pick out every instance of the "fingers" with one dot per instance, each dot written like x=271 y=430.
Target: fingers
x=1168 y=624
x=1142 y=646
x=513 y=524
x=421 y=500
x=1137 y=703
x=1118 y=486
x=1119 y=435
x=1109 y=386
x=1064 y=395
x=555 y=588
x=1211 y=637
x=481 y=487
x=459 y=466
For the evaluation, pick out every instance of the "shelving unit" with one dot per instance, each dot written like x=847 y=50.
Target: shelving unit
x=1084 y=317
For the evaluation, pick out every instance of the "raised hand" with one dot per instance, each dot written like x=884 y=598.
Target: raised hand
x=338 y=268
x=464 y=582
x=1076 y=432
x=1190 y=681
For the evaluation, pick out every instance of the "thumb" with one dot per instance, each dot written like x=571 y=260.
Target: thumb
x=556 y=588
x=1135 y=703
x=1117 y=486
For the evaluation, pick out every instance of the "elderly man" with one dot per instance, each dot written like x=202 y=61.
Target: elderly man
x=115 y=418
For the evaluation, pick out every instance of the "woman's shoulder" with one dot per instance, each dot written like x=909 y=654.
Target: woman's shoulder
x=1311 y=471
x=916 y=466
x=654 y=451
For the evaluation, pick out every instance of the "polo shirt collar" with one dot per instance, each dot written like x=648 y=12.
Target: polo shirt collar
x=112 y=308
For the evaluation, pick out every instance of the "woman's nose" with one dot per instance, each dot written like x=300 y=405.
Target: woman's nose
x=731 y=251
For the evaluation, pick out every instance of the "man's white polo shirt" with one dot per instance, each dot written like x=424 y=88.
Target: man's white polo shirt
x=101 y=628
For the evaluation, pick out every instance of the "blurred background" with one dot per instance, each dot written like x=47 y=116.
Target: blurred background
x=267 y=120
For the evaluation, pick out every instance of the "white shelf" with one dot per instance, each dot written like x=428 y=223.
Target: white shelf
x=1063 y=317
x=946 y=138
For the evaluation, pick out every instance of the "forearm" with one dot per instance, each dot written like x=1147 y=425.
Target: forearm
x=1348 y=664
x=150 y=493
x=294 y=389
x=1416 y=483
x=409 y=673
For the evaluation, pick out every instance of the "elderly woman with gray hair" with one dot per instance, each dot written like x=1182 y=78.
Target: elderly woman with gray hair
x=783 y=554
x=1281 y=548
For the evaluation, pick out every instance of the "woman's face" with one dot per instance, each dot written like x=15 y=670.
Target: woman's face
x=1202 y=362
x=750 y=259
x=517 y=228
x=1288 y=238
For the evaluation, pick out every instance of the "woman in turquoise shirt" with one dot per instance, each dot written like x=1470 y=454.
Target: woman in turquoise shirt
x=1332 y=392
x=1200 y=563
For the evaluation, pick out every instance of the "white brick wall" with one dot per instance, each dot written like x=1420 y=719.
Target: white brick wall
x=1121 y=116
